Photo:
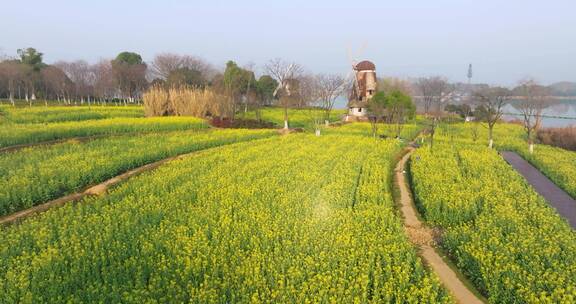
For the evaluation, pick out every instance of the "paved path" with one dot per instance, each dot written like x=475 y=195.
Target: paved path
x=423 y=238
x=556 y=197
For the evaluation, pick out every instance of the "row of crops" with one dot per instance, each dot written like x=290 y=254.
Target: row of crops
x=556 y=163
x=60 y=114
x=16 y=134
x=501 y=234
x=22 y=126
x=35 y=175
x=285 y=219
x=298 y=118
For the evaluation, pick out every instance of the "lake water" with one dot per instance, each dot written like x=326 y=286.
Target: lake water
x=557 y=108
x=560 y=108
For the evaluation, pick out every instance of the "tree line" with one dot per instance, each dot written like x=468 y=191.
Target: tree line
x=484 y=104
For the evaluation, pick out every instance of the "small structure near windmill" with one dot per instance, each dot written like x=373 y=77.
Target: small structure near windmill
x=363 y=88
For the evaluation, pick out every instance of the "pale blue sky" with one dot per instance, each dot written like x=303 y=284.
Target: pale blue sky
x=505 y=40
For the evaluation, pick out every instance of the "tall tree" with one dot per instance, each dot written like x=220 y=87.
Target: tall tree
x=129 y=74
x=32 y=61
x=185 y=77
x=329 y=87
x=104 y=80
x=237 y=82
x=56 y=82
x=285 y=73
x=434 y=91
x=265 y=87
x=399 y=109
x=377 y=109
x=492 y=101
x=13 y=73
x=166 y=63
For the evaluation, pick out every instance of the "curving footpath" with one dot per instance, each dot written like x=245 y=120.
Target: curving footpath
x=95 y=190
x=564 y=204
x=422 y=237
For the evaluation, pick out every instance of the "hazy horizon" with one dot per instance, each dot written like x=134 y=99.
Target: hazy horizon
x=505 y=41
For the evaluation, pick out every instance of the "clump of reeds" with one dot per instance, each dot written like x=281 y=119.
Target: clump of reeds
x=185 y=101
x=560 y=137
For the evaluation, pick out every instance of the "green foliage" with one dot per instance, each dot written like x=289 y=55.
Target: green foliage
x=237 y=224
x=237 y=80
x=35 y=175
x=377 y=104
x=32 y=58
x=400 y=106
x=266 y=86
x=462 y=110
x=129 y=58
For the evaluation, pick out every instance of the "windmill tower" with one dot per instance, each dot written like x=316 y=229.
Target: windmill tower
x=363 y=88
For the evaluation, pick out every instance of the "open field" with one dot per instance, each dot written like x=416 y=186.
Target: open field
x=556 y=163
x=38 y=174
x=253 y=216
x=61 y=114
x=18 y=134
x=298 y=118
x=239 y=223
x=504 y=237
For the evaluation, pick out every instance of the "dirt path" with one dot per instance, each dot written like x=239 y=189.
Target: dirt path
x=78 y=139
x=556 y=197
x=95 y=190
x=423 y=237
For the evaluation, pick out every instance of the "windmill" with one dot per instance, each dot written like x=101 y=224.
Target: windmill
x=363 y=86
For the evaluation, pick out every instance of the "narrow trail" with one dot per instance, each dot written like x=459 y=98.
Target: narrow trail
x=94 y=190
x=79 y=139
x=101 y=188
x=564 y=204
x=423 y=238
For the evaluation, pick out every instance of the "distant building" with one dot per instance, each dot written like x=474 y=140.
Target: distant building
x=364 y=87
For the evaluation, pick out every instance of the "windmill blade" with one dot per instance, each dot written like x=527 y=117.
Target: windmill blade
x=350 y=57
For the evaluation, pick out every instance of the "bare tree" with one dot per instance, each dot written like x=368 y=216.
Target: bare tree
x=329 y=88
x=285 y=73
x=104 y=80
x=166 y=63
x=81 y=74
x=434 y=90
x=13 y=73
x=56 y=82
x=492 y=101
x=533 y=103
